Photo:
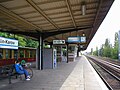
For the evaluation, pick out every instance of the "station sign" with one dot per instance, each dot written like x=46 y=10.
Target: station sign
x=77 y=39
x=73 y=39
x=8 y=43
x=58 y=41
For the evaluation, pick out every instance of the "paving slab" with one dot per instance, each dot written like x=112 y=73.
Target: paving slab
x=77 y=75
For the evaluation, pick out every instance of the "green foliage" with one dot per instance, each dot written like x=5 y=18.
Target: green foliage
x=4 y=34
x=107 y=50
x=46 y=46
x=22 y=41
x=31 y=43
x=114 y=53
x=116 y=46
x=95 y=53
x=101 y=50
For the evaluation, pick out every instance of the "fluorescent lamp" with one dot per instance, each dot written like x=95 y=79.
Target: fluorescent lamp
x=83 y=9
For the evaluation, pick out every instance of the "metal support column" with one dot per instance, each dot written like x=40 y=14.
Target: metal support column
x=51 y=45
x=67 y=53
x=77 y=53
x=40 y=54
x=78 y=50
x=61 y=54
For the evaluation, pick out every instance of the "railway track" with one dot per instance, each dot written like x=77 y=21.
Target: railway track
x=109 y=72
x=116 y=62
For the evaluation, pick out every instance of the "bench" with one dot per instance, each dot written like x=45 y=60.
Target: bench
x=8 y=72
x=14 y=73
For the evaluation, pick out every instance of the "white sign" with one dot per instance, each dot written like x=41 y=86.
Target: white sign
x=83 y=39
x=74 y=39
x=58 y=41
x=8 y=43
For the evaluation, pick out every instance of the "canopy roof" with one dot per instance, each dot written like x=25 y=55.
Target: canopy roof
x=54 y=19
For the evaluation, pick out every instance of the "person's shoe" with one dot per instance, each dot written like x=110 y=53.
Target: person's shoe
x=28 y=79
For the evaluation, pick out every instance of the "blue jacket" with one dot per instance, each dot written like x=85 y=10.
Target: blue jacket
x=19 y=68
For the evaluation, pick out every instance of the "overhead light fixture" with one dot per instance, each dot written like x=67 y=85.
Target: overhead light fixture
x=83 y=34
x=83 y=8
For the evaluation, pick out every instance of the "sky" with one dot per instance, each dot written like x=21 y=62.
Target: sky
x=107 y=29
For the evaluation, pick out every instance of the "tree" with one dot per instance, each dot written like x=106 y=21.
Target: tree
x=96 y=52
x=101 y=50
x=115 y=48
x=107 y=48
x=31 y=43
x=91 y=51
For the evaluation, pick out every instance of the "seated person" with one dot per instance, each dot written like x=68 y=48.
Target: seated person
x=23 y=62
x=20 y=70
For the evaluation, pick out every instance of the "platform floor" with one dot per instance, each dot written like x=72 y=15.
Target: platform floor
x=77 y=75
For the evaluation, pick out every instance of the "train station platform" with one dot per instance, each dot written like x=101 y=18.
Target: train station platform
x=77 y=75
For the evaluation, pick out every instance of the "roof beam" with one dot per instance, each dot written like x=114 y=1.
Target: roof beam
x=98 y=10
x=55 y=38
x=71 y=14
x=50 y=1
x=55 y=17
x=31 y=3
x=8 y=24
x=12 y=26
x=89 y=9
x=38 y=3
x=30 y=34
x=48 y=34
x=1 y=1
x=16 y=18
x=92 y=30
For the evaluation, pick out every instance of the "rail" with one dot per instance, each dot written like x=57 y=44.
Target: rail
x=107 y=71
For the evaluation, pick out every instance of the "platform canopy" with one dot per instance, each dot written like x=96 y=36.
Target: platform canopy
x=54 y=19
